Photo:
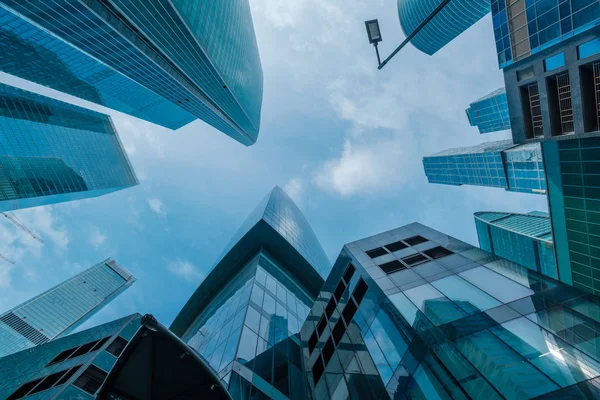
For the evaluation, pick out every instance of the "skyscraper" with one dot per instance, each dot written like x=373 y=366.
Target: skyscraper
x=495 y=164
x=550 y=54
x=71 y=367
x=195 y=60
x=60 y=309
x=51 y=152
x=454 y=19
x=490 y=113
x=525 y=239
x=244 y=316
x=574 y=203
x=414 y=313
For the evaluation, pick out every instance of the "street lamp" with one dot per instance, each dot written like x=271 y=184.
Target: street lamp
x=374 y=33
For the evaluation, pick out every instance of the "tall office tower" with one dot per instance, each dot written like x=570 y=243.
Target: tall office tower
x=60 y=309
x=414 y=313
x=573 y=174
x=51 y=152
x=490 y=113
x=165 y=61
x=550 y=54
x=495 y=164
x=244 y=316
x=72 y=367
x=525 y=239
x=454 y=19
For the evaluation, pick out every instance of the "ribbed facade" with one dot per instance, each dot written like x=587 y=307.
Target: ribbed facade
x=51 y=152
x=490 y=113
x=493 y=164
x=199 y=56
x=454 y=19
x=525 y=239
x=62 y=308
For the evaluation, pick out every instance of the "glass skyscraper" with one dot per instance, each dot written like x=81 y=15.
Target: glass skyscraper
x=51 y=152
x=61 y=309
x=495 y=164
x=490 y=113
x=454 y=19
x=72 y=367
x=244 y=317
x=550 y=53
x=414 y=313
x=573 y=168
x=525 y=239
x=164 y=61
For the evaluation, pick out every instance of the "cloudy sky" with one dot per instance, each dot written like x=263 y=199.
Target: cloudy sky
x=342 y=138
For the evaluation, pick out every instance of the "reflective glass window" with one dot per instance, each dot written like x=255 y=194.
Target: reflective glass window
x=439 y=309
x=465 y=295
x=496 y=285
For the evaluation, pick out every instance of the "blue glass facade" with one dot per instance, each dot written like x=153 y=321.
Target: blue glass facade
x=494 y=164
x=73 y=367
x=525 y=239
x=490 y=113
x=413 y=313
x=52 y=152
x=526 y=27
x=245 y=316
x=61 y=309
x=574 y=204
x=200 y=56
x=454 y=19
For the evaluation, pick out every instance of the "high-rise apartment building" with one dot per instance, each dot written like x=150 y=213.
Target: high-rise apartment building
x=72 y=367
x=61 y=309
x=414 y=313
x=494 y=164
x=525 y=239
x=165 y=61
x=490 y=113
x=454 y=19
x=51 y=152
x=244 y=317
x=550 y=54
x=573 y=173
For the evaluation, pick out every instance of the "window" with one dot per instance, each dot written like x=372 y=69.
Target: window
x=317 y=370
x=349 y=312
x=415 y=259
x=321 y=326
x=338 y=332
x=339 y=290
x=438 y=252
x=415 y=240
x=525 y=73
x=392 y=266
x=91 y=380
x=78 y=351
x=117 y=346
x=590 y=93
x=23 y=390
x=349 y=272
x=399 y=245
x=560 y=104
x=328 y=350
x=532 y=111
x=312 y=342
x=39 y=385
x=360 y=291
x=380 y=251
x=554 y=62
x=330 y=308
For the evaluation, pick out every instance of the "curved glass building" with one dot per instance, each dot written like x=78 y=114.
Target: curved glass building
x=453 y=20
x=168 y=62
x=245 y=316
x=525 y=239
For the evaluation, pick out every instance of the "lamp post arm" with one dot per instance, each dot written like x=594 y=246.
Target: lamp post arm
x=414 y=33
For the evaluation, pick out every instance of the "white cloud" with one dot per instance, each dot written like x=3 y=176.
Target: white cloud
x=97 y=238
x=186 y=270
x=42 y=221
x=157 y=206
x=5 y=276
x=295 y=189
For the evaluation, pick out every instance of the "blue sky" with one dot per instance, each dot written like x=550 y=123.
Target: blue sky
x=342 y=138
